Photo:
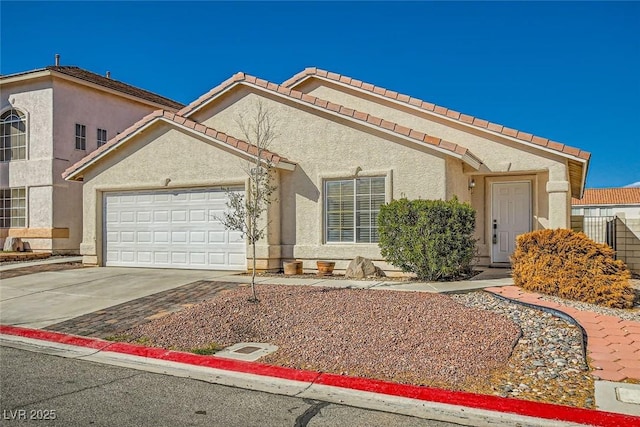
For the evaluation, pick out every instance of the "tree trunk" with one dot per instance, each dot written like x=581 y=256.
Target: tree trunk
x=254 y=297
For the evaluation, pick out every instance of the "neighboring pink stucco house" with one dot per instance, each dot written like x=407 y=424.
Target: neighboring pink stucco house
x=50 y=118
x=152 y=194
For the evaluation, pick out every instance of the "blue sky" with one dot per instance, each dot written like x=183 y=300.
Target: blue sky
x=565 y=71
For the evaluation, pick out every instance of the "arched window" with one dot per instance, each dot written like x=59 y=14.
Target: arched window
x=13 y=136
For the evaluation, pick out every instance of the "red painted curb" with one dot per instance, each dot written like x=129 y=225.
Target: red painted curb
x=460 y=398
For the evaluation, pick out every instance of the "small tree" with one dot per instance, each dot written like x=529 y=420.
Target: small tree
x=245 y=213
x=431 y=238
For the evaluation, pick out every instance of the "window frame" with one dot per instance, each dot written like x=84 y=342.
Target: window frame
x=6 y=152
x=325 y=215
x=101 y=141
x=6 y=209
x=81 y=138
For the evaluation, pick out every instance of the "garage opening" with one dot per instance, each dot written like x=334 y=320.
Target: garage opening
x=171 y=229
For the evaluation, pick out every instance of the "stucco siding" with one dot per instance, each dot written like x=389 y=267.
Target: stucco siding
x=93 y=108
x=497 y=153
x=328 y=149
x=35 y=100
x=53 y=107
x=161 y=153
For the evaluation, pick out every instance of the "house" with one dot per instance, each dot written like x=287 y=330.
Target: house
x=152 y=194
x=49 y=119
x=611 y=216
x=599 y=202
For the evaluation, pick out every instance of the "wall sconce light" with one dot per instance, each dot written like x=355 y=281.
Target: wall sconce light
x=472 y=184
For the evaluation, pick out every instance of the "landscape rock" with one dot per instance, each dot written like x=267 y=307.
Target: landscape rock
x=13 y=244
x=361 y=268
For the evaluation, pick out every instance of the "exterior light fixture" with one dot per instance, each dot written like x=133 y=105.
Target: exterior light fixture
x=472 y=184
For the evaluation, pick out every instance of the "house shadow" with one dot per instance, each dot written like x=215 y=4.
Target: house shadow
x=295 y=188
x=627 y=244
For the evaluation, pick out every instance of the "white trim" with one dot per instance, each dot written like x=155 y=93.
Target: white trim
x=27 y=134
x=353 y=178
x=26 y=76
x=441 y=116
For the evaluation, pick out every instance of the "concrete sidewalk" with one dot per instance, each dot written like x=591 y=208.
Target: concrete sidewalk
x=55 y=260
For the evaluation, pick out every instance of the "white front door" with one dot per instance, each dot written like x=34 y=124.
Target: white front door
x=510 y=217
x=171 y=229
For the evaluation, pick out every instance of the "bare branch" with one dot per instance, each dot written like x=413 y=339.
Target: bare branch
x=245 y=211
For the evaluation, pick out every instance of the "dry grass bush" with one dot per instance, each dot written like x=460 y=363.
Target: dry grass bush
x=570 y=265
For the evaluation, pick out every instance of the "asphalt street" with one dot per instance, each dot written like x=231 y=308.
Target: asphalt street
x=43 y=390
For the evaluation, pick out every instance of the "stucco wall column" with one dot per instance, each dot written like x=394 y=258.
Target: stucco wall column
x=268 y=249
x=558 y=204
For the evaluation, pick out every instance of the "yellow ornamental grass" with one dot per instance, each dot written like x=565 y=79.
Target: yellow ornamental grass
x=570 y=265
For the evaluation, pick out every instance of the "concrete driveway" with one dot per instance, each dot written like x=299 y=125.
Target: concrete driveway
x=42 y=299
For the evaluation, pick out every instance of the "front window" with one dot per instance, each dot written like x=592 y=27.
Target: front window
x=81 y=137
x=13 y=136
x=102 y=137
x=13 y=207
x=352 y=208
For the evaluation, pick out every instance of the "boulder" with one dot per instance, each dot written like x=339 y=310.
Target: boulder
x=362 y=267
x=13 y=244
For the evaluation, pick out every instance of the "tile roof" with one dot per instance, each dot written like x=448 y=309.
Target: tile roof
x=108 y=83
x=376 y=122
x=442 y=111
x=609 y=196
x=238 y=144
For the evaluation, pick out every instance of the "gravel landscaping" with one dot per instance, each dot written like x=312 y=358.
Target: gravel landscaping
x=632 y=314
x=416 y=338
x=547 y=364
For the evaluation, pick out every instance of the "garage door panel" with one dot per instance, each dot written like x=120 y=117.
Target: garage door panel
x=127 y=237
x=179 y=237
x=198 y=258
x=172 y=229
x=144 y=237
x=197 y=215
x=161 y=216
x=235 y=237
x=145 y=257
x=144 y=217
x=217 y=258
x=197 y=237
x=179 y=216
x=238 y=259
x=127 y=216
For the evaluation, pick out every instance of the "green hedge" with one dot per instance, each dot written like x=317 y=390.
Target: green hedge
x=431 y=238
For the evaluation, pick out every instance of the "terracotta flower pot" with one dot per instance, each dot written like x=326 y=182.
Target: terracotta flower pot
x=325 y=268
x=292 y=267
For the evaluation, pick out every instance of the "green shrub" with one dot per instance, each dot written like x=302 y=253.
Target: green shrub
x=431 y=238
x=570 y=265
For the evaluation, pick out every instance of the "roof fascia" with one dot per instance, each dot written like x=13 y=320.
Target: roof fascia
x=26 y=76
x=282 y=164
x=469 y=159
x=438 y=116
x=111 y=91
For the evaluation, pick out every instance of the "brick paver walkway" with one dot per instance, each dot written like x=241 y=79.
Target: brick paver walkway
x=118 y=318
x=613 y=344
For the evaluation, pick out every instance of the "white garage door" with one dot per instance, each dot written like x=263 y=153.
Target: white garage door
x=171 y=229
